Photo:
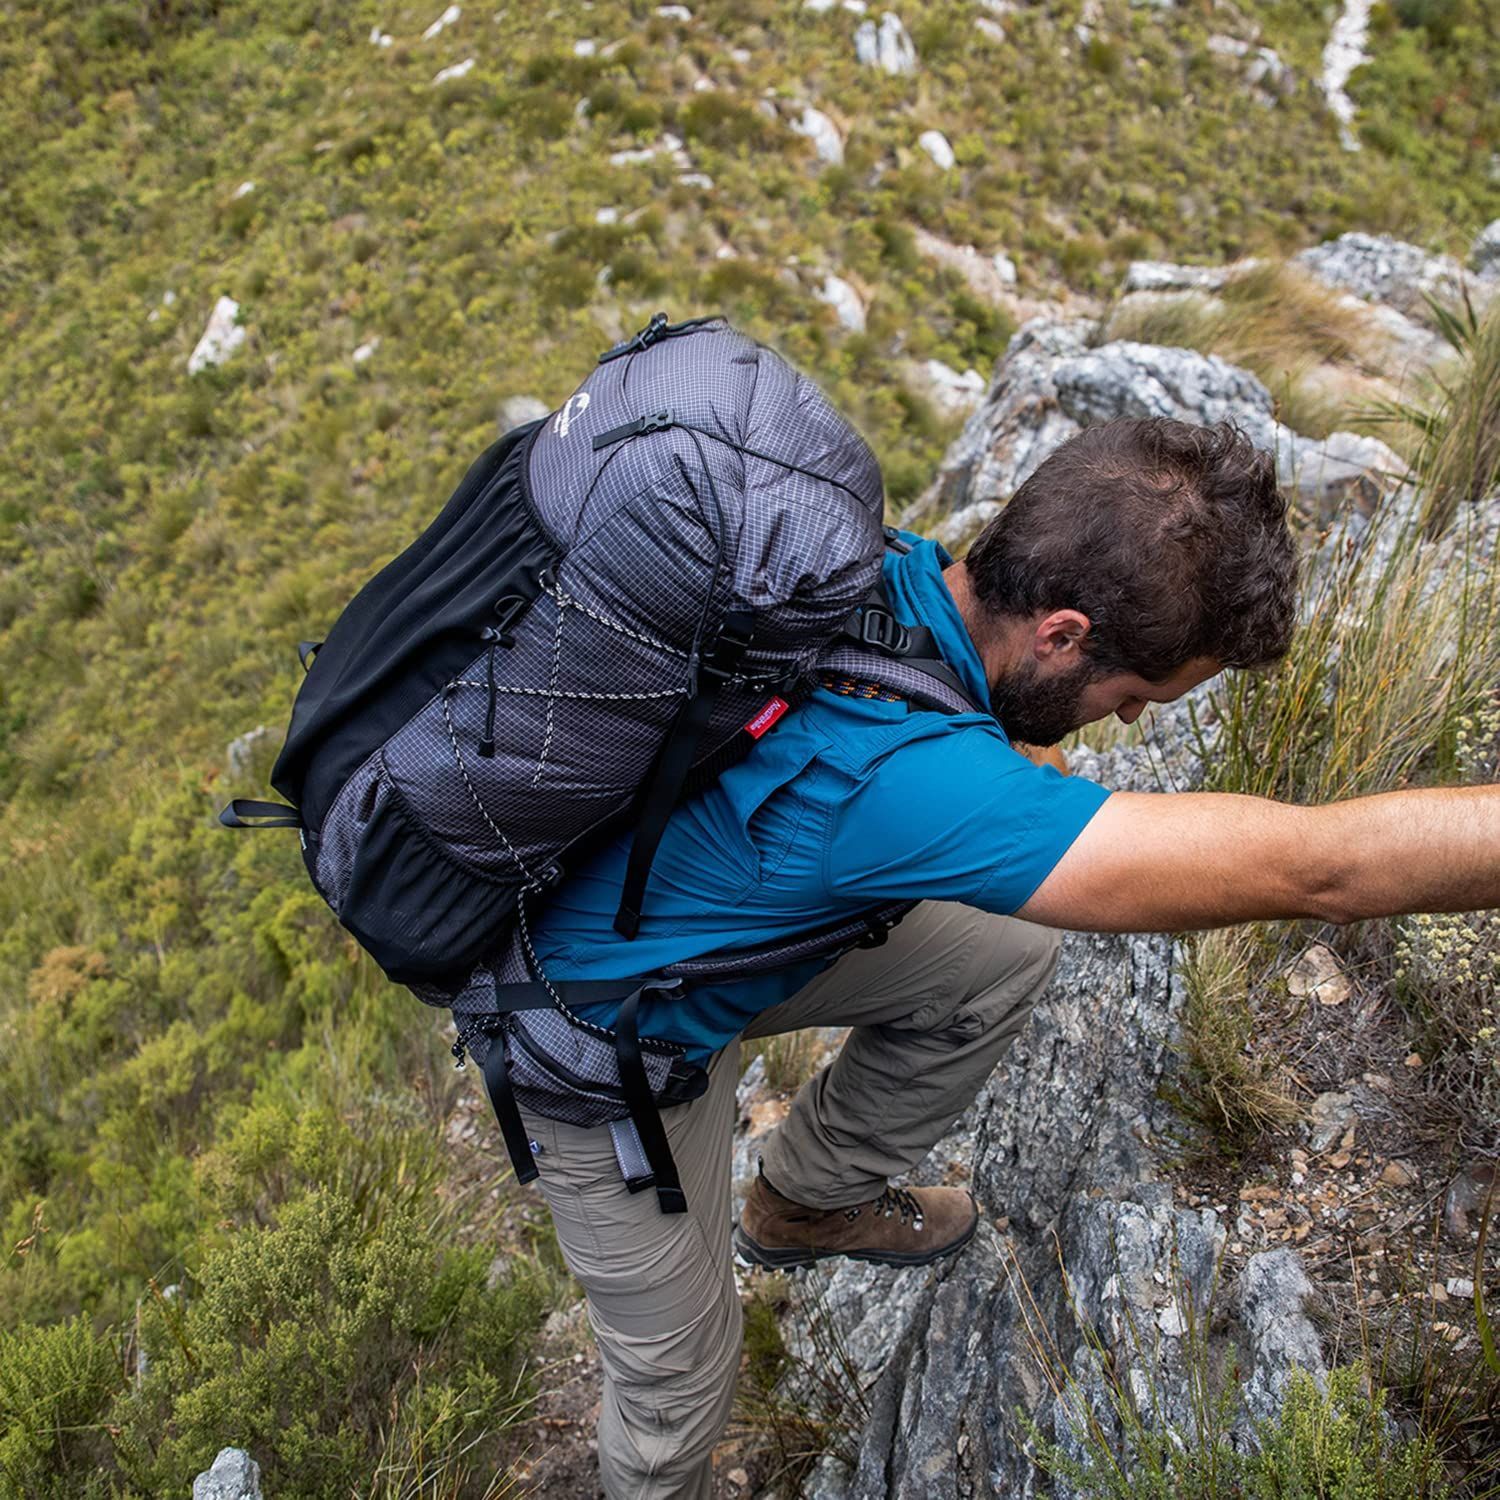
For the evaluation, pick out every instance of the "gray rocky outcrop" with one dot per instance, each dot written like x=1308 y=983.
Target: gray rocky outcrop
x=1484 y=253
x=1378 y=268
x=1052 y=383
x=1084 y=1264
x=234 y=1476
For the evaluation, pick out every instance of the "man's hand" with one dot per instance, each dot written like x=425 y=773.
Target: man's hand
x=1169 y=862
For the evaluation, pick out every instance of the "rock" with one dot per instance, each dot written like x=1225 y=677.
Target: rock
x=221 y=337
x=986 y=275
x=1342 y=467
x=674 y=13
x=1329 y=1119
x=952 y=393
x=240 y=752
x=244 y=189
x=1268 y=73
x=1343 y=53
x=1484 y=254
x=935 y=144
x=365 y=350
x=517 y=411
x=1165 y=276
x=819 y=7
x=585 y=47
x=824 y=135
x=1378 y=268
x=847 y=304
x=1399 y=1174
x=887 y=47
x=607 y=215
x=1460 y=1286
x=1317 y=974
x=234 y=1476
x=991 y=30
x=445 y=20
x=379 y=38
x=1468 y=1193
x=458 y=70
x=1273 y=1294
x=696 y=180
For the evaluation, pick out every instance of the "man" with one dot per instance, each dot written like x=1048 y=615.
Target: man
x=1139 y=560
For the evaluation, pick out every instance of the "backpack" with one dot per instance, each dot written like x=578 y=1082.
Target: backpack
x=616 y=603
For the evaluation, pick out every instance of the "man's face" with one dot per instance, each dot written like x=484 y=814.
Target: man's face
x=1040 y=705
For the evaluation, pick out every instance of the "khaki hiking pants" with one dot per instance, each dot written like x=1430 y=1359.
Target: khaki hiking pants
x=932 y=1009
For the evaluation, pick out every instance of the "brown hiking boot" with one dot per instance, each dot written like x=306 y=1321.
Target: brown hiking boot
x=902 y=1227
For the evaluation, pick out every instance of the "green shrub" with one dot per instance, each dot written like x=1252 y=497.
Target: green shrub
x=302 y=1341
x=56 y=1384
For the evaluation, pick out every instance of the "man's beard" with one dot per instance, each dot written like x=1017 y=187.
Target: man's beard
x=1037 y=710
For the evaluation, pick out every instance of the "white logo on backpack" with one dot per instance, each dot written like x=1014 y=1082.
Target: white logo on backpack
x=569 y=411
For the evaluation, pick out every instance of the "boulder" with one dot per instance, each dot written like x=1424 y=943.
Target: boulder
x=1379 y=268
x=847 y=304
x=241 y=751
x=1052 y=383
x=448 y=17
x=458 y=70
x=221 y=337
x=517 y=411
x=234 y=1476
x=954 y=394
x=824 y=135
x=935 y=144
x=888 y=46
x=1484 y=254
x=990 y=277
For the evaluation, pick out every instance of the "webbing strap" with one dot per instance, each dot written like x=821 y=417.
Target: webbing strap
x=503 y=1100
x=664 y=790
x=238 y=814
x=643 y=1112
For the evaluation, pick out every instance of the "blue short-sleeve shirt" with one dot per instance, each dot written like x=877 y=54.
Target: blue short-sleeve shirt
x=845 y=804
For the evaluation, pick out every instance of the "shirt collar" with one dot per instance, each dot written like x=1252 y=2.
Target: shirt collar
x=919 y=596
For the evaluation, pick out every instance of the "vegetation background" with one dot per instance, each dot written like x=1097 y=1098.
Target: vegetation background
x=229 y=1207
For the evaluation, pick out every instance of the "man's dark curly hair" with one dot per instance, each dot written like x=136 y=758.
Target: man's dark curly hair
x=1171 y=538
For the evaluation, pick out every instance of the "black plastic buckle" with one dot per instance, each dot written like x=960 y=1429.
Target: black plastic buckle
x=728 y=650
x=881 y=629
x=875 y=934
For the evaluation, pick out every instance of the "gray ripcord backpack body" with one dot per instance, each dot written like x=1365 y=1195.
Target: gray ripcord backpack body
x=614 y=606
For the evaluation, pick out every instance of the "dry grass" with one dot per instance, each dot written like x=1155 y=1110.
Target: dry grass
x=1276 y=322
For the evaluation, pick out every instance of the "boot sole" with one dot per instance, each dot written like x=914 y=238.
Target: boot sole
x=794 y=1256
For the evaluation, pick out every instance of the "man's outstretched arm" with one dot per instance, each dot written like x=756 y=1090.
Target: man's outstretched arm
x=1169 y=862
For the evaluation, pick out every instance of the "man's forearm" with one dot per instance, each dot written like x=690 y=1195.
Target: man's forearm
x=1160 y=862
x=1435 y=850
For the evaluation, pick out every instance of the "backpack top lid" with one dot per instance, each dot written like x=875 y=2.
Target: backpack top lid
x=681 y=452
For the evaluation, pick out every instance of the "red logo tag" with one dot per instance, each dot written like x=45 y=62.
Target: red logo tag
x=766 y=717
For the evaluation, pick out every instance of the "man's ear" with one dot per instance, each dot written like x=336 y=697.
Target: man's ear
x=1060 y=635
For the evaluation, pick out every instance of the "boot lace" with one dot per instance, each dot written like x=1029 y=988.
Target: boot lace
x=902 y=1204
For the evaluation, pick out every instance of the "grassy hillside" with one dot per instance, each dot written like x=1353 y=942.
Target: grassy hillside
x=202 y=1082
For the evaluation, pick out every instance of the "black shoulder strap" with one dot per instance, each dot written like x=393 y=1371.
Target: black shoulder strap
x=668 y=777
